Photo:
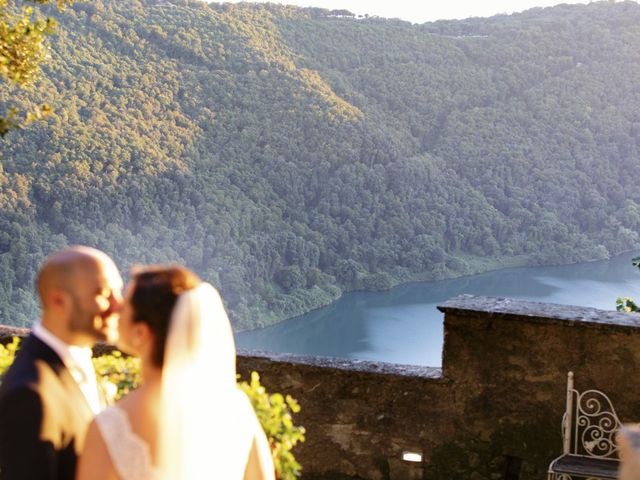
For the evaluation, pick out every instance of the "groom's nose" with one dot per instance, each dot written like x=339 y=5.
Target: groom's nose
x=116 y=302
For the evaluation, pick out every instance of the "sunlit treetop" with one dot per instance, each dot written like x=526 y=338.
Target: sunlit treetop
x=23 y=49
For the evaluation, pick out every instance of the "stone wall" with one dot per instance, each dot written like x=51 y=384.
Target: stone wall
x=492 y=412
x=359 y=416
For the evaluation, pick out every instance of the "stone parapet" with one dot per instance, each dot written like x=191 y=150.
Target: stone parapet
x=7 y=333
x=519 y=310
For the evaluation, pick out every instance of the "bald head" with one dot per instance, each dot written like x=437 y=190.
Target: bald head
x=61 y=268
x=80 y=290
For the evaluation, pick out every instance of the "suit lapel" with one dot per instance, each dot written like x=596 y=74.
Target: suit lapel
x=40 y=350
x=77 y=398
x=65 y=413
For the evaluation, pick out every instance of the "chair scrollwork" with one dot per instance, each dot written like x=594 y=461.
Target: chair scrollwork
x=595 y=425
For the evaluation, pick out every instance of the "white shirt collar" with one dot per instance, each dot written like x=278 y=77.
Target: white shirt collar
x=61 y=348
x=78 y=362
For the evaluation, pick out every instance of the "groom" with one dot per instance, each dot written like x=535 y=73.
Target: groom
x=50 y=394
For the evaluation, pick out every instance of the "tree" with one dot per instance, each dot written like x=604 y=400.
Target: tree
x=23 y=49
x=290 y=278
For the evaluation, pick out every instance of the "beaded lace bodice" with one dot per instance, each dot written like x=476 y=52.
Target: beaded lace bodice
x=129 y=454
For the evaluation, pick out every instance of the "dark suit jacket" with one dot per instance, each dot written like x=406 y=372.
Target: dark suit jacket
x=43 y=416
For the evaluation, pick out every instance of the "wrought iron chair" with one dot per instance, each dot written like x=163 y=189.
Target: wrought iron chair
x=589 y=448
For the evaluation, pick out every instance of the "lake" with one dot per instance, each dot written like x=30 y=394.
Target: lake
x=402 y=325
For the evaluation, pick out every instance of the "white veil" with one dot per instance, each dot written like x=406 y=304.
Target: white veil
x=207 y=425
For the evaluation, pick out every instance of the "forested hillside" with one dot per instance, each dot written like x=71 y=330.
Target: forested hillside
x=290 y=154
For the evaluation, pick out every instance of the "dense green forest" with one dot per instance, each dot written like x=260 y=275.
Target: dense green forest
x=288 y=155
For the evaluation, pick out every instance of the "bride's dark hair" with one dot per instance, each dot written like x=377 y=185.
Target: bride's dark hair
x=156 y=289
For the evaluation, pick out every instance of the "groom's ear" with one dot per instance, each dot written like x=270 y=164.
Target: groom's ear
x=58 y=298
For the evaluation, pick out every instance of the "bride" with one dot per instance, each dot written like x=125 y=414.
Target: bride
x=187 y=420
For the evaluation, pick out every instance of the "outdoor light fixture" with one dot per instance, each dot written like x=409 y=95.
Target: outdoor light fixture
x=412 y=456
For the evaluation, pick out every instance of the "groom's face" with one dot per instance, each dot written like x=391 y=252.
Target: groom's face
x=95 y=303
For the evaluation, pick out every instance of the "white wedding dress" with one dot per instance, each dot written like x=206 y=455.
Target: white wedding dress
x=129 y=454
x=207 y=425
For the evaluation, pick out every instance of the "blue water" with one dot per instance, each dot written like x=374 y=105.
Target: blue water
x=402 y=325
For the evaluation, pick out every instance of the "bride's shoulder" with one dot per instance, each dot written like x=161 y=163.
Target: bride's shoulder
x=117 y=411
x=95 y=461
x=110 y=419
x=128 y=407
x=129 y=453
x=128 y=402
x=135 y=412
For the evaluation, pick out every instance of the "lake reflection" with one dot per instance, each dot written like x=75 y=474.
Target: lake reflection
x=402 y=325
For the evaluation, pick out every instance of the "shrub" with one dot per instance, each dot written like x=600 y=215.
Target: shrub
x=274 y=412
x=7 y=354
x=118 y=374
x=626 y=304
